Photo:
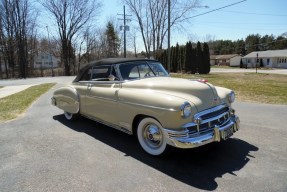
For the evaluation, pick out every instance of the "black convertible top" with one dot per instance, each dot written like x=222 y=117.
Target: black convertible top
x=107 y=61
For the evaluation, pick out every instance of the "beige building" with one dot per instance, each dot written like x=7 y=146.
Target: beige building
x=269 y=59
x=232 y=60
x=45 y=60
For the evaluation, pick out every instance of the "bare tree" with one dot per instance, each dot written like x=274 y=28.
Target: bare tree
x=90 y=46
x=151 y=16
x=18 y=23
x=71 y=16
x=8 y=35
x=1 y=48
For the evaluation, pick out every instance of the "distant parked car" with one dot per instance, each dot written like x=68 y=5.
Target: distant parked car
x=139 y=97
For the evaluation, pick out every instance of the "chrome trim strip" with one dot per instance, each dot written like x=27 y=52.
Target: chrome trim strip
x=149 y=106
x=99 y=82
x=104 y=82
x=103 y=98
x=108 y=124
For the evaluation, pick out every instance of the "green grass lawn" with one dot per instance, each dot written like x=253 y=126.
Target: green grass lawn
x=251 y=87
x=14 y=105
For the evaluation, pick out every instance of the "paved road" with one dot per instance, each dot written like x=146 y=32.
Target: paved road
x=15 y=86
x=39 y=80
x=41 y=151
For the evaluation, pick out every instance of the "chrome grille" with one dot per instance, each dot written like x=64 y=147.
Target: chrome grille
x=214 y=113
x=216 y=116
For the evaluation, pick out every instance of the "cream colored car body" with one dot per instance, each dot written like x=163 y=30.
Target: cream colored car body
x=121 y=104
x=118 y=103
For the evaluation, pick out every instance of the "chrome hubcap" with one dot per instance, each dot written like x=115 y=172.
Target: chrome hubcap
x=152 y=136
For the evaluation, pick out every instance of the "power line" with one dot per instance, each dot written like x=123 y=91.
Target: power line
x=216 y=9
x=236 y=23
x=249 y=13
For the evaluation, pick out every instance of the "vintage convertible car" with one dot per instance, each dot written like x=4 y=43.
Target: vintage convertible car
x=139 y=97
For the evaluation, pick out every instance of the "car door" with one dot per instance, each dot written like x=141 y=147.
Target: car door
x=102 y=99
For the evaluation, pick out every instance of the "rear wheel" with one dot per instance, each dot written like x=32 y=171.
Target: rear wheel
x=69 y=116
x=150 y=136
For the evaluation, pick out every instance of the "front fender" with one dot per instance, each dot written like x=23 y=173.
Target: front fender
x=67 y=99
x=165 y=108
x=223 y=94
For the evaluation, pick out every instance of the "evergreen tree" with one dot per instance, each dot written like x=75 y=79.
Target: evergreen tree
x=252 y=42
x=193 y=61
x=113 y=42
x=175 y=58
x=199 y=60
x=188 y=52
x=180 y=58
x=206 y=59
x=172 y=53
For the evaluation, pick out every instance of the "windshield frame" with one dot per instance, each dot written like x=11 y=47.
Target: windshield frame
x=138 y=63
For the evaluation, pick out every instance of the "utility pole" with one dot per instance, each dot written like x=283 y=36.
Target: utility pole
x=168 y=36
x=125 y=28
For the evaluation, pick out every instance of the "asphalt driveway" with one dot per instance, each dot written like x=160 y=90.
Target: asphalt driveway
x=41 y=151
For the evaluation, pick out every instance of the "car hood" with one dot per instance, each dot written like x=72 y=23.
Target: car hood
x=202 y=95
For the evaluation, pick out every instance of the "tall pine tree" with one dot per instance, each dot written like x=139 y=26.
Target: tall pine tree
x=113 y=42
x=199 y=58
x=206 y=59
x=189 y=57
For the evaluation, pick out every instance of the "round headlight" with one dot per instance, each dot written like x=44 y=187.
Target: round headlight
x=231 y=97
x=185 y=110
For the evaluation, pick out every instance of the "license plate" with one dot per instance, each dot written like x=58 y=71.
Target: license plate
x=227 y=133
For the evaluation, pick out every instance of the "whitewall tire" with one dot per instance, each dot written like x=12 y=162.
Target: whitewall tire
x=69 y=116
x=151 y=137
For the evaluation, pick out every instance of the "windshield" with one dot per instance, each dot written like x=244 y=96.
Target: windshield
x=141 y=70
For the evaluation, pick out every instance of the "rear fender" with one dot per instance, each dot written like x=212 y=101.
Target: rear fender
x=67 y=99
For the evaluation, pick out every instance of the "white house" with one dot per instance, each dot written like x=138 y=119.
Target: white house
x=232 y=60
x=45 y=60
x=269 y=59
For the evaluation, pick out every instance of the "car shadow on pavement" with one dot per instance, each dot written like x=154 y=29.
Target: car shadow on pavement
x=198 y=167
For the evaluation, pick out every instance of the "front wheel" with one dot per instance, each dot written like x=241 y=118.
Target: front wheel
x=151 y=137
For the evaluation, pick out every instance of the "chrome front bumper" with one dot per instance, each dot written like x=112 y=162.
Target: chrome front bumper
x=184 y=138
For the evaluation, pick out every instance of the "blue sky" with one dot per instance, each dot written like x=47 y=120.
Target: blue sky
x=232 y=23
